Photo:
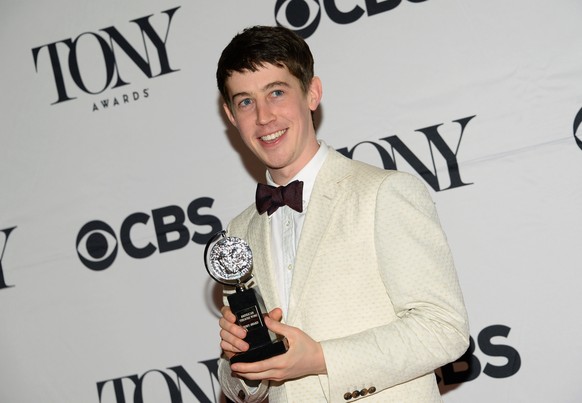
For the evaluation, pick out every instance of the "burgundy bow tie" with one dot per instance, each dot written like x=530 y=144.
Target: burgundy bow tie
x=270 y=198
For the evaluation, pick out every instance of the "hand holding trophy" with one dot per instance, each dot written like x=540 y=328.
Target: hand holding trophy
x=229 y=261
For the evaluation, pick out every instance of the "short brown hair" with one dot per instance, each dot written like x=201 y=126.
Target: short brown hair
x=259 y=45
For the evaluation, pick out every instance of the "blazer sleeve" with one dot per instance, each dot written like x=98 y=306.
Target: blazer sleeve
x=416 y=267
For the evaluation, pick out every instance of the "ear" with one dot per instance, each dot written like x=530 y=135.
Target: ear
x=229 y=114
x=314 y=93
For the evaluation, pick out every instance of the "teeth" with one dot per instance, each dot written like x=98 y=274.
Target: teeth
x=273 y=136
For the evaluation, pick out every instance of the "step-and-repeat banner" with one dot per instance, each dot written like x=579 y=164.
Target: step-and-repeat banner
x=117 y=164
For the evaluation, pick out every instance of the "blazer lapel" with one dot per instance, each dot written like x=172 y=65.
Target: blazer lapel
x=326 y=191
x=259 y=238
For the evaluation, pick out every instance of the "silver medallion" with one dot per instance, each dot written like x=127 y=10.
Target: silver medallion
x=230 y=260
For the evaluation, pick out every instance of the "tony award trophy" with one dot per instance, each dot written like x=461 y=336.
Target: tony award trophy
x=229 y=261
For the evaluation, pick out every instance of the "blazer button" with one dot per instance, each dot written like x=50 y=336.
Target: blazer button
x=355 y=393
x=347 y=396
x=372 y=389
x=241 y=395
x=364 y=392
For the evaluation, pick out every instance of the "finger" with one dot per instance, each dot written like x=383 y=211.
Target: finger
x=233 y=342
x=276 y=314
x=257 y=367
x=232 y=328
x=227 y=314
x=272 y=374
x=229 y=349
x=254 y=376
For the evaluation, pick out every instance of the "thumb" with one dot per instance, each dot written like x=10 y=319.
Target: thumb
x=276 y=314
x=275 y=326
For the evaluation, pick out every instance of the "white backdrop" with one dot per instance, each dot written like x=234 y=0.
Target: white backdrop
x=91 y=156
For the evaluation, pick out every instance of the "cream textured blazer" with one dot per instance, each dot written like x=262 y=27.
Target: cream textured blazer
x=374 y=283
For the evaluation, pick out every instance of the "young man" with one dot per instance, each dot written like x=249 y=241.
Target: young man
x=358 y=277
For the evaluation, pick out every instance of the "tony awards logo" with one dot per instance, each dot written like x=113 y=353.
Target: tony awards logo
x=229 y=261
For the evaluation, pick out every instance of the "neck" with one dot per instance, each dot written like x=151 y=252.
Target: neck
x=282 y=176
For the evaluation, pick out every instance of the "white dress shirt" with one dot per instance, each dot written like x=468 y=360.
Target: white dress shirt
x=286 y=225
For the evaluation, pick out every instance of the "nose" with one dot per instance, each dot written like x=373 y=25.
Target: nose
x=265 y=114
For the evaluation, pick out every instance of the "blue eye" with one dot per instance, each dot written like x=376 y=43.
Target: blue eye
x=277 y=93
x=245 y=102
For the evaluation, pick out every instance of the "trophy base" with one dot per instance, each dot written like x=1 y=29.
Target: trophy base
x=262 y=352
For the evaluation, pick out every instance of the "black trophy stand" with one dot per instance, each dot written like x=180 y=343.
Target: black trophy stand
x=248 y=307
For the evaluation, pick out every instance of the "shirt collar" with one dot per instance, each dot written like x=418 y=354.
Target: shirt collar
x=308 y=173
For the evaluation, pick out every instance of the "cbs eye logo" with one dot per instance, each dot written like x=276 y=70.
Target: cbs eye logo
x=577 y=123
x=96 y=245
x=301 y=16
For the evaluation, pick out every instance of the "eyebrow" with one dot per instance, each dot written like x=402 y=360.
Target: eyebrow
x=264 y=89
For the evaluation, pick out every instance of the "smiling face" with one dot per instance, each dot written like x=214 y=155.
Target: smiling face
x=273 y=116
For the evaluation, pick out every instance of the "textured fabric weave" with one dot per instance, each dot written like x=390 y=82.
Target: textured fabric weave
x=374 y=283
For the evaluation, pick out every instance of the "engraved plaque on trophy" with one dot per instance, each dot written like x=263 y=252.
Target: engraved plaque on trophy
x=229 y=261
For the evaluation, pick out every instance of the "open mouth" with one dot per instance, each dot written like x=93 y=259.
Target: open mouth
x=273 y=136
